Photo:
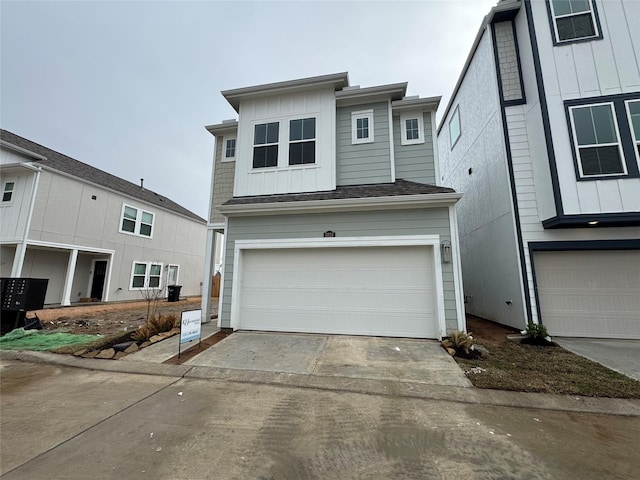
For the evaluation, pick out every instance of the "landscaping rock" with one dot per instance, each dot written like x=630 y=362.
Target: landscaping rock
x=79 y=353
x=90 y=354
x=106 y=354
x=119 y=355
x=121 y=347
x=145 y=344
x=132 y=348
x=156 y=338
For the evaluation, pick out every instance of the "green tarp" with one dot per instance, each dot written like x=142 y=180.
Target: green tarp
x=21 y=339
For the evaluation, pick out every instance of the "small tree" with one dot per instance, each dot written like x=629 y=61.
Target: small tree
x=153 y=290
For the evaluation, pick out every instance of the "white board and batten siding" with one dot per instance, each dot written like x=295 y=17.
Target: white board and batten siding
x=590 y=293
x=284 y=178
x=299 y=229
x=14 y=214
x=607 y=66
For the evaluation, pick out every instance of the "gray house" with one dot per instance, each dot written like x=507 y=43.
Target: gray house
x=542 y=135
x=96 y=237
x=326 y=203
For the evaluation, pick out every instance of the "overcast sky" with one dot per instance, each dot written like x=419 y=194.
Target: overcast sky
x=129 y=86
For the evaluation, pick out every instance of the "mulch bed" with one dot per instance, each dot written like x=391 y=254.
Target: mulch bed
x=191 y=352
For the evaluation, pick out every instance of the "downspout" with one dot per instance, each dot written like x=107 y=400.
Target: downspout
x=392 y=155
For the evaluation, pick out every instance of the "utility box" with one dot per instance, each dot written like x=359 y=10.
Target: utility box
x=20 y=295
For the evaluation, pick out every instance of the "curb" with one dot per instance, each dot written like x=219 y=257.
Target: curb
x=470 y=395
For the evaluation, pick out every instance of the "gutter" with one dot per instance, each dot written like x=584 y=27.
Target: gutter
x=347 y=204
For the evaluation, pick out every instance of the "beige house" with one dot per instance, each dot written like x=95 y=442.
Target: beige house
x=93 y=235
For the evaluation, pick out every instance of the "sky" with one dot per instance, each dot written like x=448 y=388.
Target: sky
x=128 y=87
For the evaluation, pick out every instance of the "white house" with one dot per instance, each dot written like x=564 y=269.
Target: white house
x=93 y=235
x=332 y=218
x=542 y=136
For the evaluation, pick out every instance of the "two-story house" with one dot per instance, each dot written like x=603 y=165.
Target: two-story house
x=542 y=135
x=93 y=235
x=332 y=218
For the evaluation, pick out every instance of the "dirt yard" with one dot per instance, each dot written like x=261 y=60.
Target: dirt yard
x=108 y=318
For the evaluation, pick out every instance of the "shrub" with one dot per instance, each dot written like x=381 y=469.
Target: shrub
x=462 y=344
x=142 y=334
x=156 y=324
x=536 y=335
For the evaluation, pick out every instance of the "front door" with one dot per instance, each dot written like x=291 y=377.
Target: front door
x=99 y=274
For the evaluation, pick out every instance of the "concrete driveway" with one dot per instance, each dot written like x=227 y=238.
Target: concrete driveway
x=620 y=355
x=374 y=358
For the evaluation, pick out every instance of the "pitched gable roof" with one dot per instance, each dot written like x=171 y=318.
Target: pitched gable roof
x=61 y=163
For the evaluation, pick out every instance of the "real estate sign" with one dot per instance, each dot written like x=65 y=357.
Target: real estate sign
x=190 y=325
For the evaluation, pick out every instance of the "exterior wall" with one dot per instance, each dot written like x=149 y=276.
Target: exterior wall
x=415 y=162
x=7 y=253
x=285 y=178
x=477 y=167
x=47 y=264
x=14 y=214
x=348 y=224
x=508 y=61
x=366 y=162
x=88 y=224
x=223 y=175
x=607 y=66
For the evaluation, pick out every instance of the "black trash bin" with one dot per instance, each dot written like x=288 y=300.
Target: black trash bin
x=174 y=293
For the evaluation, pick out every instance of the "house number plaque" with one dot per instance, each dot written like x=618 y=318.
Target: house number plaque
x=329 y=233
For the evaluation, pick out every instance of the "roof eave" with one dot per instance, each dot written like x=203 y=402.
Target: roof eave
x=343 y=204
x=394 y=91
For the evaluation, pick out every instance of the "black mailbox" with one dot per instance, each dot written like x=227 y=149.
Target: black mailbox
x=20 y=295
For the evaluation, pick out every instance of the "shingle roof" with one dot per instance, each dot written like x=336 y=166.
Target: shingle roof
x=398 y=188
x=68 y=165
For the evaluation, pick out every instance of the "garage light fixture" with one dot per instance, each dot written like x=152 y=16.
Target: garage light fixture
x=445 y=251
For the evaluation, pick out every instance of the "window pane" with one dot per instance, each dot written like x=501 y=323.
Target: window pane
x=130 y=213
x=295 y=154
x=308 y=128
x=6 y=196
x=603 y=122
x=154 y=282
x=362 y=128
x=579 y=6
x=8 y=187
x=583 y=123
x=265 y=156
x=260 y=134
x=561 y=7
x=634 y=110
x=230 y=150
x=155 y=270
x=579 y=26
x=147 y=217
x=138 y=282
x=309 y=152
x=411 y=127
x=145 y=230
x=140 y=269
x=295 y=130
x=600 y=160
x=128 y=226
x=272 y=132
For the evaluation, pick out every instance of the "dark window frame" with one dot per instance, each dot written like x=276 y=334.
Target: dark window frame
x=553 y=26
x=302 y=151
x=270 y=148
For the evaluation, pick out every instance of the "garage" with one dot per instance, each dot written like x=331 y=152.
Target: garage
x=589 y=293
x=354 y=290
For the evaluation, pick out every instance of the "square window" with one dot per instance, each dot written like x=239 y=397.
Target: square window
x=573 y=20
x=362 y=127
x=596 y=140
x=146 y=275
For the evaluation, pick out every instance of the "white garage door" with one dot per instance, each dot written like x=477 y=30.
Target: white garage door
x=384 y=291
x=590 y=293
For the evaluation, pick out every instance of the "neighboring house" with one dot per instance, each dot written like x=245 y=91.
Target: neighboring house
x=542 y=136
x=332 y=218
x=93 y=235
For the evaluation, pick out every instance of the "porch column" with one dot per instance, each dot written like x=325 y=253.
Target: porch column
x=18 y=260
x=68 y=281
x=209 y=258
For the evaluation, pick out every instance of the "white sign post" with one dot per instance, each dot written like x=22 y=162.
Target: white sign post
x=190 y=327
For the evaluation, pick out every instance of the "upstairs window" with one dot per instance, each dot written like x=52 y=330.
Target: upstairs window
x=573 y=20
x=454 y=128
x=7 y=191
x=146 y=275
x=633 y=114
x=597 y=140
x=136 y=221
x=302 y=141
x=412 y=128
x=265 y=145
x=229 y=149
x=362 y=127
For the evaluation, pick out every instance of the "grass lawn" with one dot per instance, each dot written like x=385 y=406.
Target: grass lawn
x=527 y=368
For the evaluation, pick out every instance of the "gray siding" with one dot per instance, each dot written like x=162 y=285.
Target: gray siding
x=414 y=162
x=222 y=182
x=367 y=162
x=349 y=224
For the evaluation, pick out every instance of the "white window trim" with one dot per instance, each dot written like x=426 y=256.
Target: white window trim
x=403 y=128
x=146 y=276
x=368 y=114
x=136 y=229
x=13 y=192
x=456 y=113
x=224 y=157
x=569 y=40
x=577 y=147
x=636 y=141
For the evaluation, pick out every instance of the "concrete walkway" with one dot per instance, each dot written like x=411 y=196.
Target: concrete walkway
x=622 y=356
